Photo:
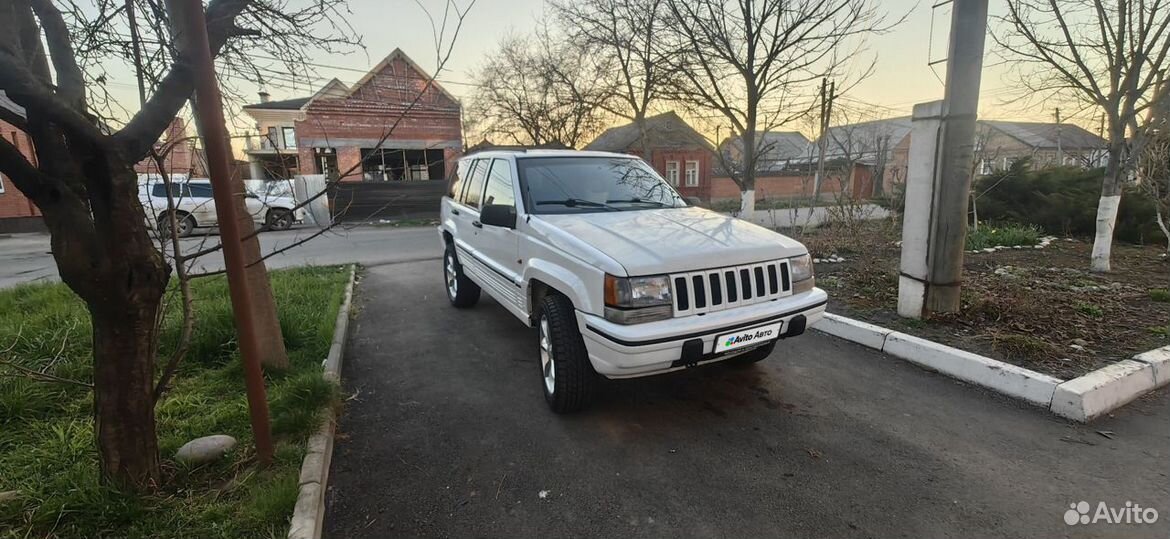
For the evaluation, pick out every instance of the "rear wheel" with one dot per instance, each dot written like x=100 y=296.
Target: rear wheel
x=753 y=356
x=279 y=219
x=186 y=225
x=567 y=377
x=460 y=290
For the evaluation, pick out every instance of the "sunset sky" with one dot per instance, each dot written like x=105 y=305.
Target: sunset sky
x=901 y=79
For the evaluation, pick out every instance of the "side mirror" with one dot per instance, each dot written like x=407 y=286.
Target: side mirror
x=693 y=201
x=498 y=215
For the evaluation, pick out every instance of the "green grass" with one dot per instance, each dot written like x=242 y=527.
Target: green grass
x=1160 y=294
x=1007 y=235
x=1090 y=310
x=47 y=452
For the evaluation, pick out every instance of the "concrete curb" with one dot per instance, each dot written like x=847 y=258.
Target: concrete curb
x=1113 y=386
x=1080 y=399
x=1003 y=377
x=309 y=514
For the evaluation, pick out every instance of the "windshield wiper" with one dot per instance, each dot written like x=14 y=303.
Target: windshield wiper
x=641 y=201
x=574 y=202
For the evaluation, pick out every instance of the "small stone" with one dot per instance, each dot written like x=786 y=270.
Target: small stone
x=818 y=260
x=989 y=250
x=1076 y=347
x=9 y=495
x=1079 y=342
x=205 y=449
x=1037 y=246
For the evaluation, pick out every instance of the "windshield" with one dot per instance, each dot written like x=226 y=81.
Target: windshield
x=593 y=184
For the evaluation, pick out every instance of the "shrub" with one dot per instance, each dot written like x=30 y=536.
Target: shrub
x=1160 y=294
x=1062 y=200
x=1006 y=235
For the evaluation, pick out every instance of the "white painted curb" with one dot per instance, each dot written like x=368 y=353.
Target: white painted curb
x=1018 y=382
x=309 y=514
x=1080 y=399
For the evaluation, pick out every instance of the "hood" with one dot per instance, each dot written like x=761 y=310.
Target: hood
x=648 y=242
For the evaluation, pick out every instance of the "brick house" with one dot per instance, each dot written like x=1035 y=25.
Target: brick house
x=678 y=152
x=777 y=172
x=338 y=129
x=182 y=157
x=17 y=213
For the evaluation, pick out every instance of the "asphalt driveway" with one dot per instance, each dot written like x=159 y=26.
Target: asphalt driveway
x=447 y=435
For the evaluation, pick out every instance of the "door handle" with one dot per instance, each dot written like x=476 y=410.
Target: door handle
x=454 y=211
x=477 y=224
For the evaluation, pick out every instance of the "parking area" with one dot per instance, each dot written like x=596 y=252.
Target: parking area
x=446 y=434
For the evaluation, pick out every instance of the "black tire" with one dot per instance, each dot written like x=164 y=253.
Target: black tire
x=461 y=291
x=752 y=357
x=186 y=225
x=572 y=375
x=279 y=219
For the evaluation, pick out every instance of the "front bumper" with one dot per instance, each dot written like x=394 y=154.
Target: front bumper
x=625 y=351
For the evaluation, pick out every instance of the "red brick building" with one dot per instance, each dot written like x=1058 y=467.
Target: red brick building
x=180 y=155
x=678 y=152
x=17 y=213
x=339 y=130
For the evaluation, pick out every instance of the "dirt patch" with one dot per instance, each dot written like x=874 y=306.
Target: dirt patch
x=1037 y=308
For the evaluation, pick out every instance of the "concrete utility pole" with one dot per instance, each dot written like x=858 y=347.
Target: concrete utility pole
x=1059 y=149
x=948 y=230
x=193 y=24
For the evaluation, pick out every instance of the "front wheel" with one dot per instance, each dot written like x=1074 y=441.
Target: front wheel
x=567 y=376
x=461 y=291
x=280 y=220
x=186 y=225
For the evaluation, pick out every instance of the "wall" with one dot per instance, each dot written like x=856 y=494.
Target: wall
x=703 y=190
x=794 y=186
x=17 y=213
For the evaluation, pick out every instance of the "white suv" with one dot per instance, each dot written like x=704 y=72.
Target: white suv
x=194 y=206
x=620 y=276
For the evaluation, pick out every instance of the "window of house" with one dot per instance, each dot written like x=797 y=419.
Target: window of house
x=672 y=173
x=290 y=137
x=692 y=174
x=499 y=185
x=474 y=191
x=1 y=184
x=272 y=141
x=986 y=165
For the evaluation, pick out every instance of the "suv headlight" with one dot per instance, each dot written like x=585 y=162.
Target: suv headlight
x=633 y=300
x=801 y=268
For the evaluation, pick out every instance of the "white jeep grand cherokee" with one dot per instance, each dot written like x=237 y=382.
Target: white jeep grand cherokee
x=618 y=273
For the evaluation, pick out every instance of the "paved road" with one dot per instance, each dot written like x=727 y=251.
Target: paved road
x=447 y=435
x=26 y=257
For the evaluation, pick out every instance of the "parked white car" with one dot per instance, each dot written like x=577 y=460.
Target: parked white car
x=195 y=208
x=620 y=276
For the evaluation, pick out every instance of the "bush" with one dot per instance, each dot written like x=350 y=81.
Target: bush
x=1007 y=235
x=1062 y=200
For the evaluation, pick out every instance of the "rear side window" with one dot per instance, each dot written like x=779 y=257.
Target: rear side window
x=471 y=196
x=456 y=184
x=178 y=190
x=200 y=190
x=499 y=185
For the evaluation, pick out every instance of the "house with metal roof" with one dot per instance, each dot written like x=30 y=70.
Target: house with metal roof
x=674 y=148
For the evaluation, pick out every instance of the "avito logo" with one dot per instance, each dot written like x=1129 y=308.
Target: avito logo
x=745 y=337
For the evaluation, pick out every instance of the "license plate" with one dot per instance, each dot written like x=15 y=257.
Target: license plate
x=747 y=337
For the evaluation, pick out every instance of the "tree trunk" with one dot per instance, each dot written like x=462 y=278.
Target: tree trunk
x=111 y=263
x=268 y=332
x=1107 y=207
x=747 y=188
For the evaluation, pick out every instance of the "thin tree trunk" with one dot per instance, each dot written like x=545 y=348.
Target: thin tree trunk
x=747 y=188
x=263 y=302
x=1107 y=208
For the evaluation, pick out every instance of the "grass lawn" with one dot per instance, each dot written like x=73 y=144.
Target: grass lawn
x=47 y=451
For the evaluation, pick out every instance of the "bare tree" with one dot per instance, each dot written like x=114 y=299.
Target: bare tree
x=625 y=31
x=539 y=89
x=752 y=63
x=1107 y=55
x=84 y=183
